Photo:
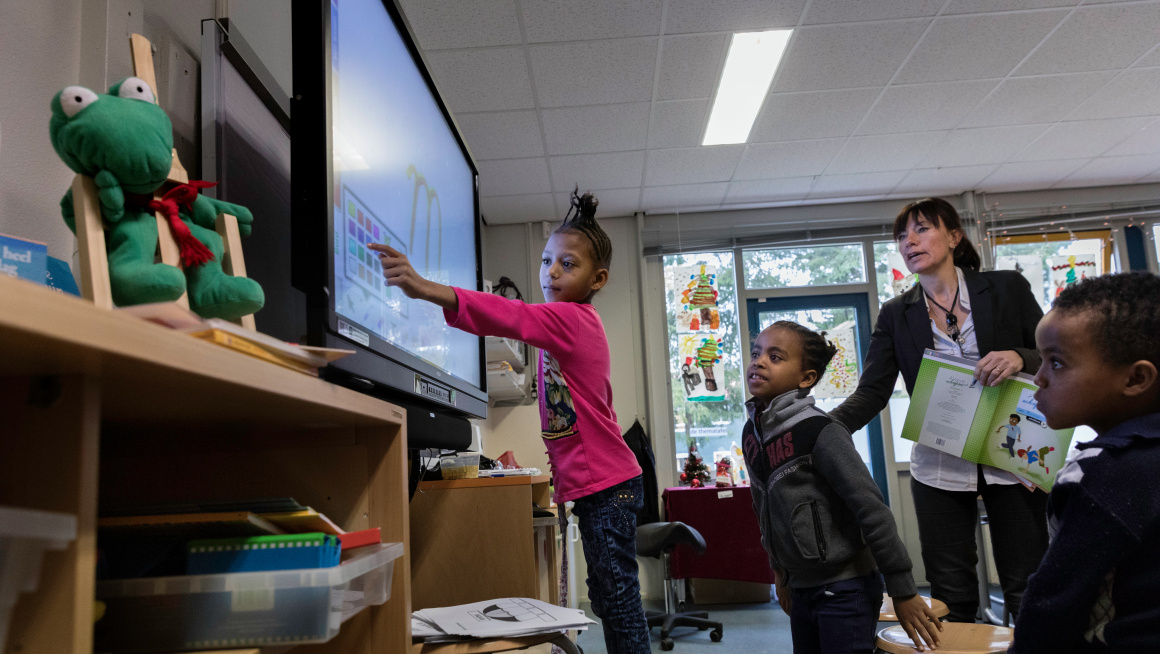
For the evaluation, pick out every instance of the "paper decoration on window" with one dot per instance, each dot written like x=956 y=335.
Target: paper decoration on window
x=841 y=376
x=898 y=278
x=702 y=374
x=1069 y=269
x=698 y=311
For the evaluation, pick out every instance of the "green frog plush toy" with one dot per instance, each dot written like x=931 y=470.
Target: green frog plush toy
x=124 y=141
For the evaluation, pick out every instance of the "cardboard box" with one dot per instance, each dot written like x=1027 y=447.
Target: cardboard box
x=722 y=591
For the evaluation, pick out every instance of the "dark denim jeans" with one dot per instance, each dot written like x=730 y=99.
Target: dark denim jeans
x=837 y=618
x=946 y=530
x=608 y=532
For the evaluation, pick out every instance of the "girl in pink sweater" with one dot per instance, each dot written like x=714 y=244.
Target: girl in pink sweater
x=592 y=465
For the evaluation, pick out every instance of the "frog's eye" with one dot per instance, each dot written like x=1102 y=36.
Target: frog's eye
x=135 y=88
x=75 y=98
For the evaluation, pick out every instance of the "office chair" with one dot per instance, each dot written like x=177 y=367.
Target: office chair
x=657 y=540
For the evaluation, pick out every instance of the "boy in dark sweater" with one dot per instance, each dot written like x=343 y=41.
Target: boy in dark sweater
x=1098 y=587
x=822 y=518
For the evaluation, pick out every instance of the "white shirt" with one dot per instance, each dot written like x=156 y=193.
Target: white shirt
x=937 y=468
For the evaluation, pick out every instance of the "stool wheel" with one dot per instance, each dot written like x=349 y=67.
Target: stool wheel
x=681 y=606
x=666 y=644
x=715 y=635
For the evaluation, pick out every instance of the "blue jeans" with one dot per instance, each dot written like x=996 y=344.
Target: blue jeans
x=608 y=532
x=837 y=618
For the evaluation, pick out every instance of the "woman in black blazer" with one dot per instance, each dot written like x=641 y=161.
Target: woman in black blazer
x=989 y=316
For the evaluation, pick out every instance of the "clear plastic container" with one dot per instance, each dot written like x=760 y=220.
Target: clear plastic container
x=464 y=465
x=24 y=537
x=281 y=607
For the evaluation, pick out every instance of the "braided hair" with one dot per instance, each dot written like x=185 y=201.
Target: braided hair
x=1124 y=310
x=817 y=352
x=581 y=219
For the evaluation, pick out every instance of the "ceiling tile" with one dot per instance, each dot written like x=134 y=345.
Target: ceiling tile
x=987 y=145
x=556 y=20
x=502 y=135
x=846 y=56
x=513 y=177
x=1151 y=59
x=943 y=181
x=861 y=185
x=1145 y=141
x=817 y=115
x=924 y=107
x=1029 y=100
x=690 y=65
x=617 y=170
x=1097 y=38
x=787 y=159
x=691 y=165
x=768 y=190
x=688 y=16
x=517 y=208
x=1136 y=92
x=867 y=154
x=681 y=197
x=844 y=11
x=604 y=128
x=980 y=6
x=1087 y=138
x=1029 y=176
x=482 y=80
x=594 y=72
x=614 y=202
x=1110 y=171
x=677 y=123
x=977 y=47
x=442 y=24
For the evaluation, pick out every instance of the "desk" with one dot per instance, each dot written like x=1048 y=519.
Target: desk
x=475 y=540
x=725 y=518
x=102 y=408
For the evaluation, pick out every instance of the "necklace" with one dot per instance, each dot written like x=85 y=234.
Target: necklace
x=952 y=320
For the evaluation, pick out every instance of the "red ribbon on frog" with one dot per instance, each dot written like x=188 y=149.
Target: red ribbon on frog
x=193 y=252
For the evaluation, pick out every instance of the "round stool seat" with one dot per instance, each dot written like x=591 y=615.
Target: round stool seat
x=886 y=613
x=956 y=637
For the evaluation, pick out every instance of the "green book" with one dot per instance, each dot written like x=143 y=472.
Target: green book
x=999 y=426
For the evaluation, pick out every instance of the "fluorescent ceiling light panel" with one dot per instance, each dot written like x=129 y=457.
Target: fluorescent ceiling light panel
x=749 y=68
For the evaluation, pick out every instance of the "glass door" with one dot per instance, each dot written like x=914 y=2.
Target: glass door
x=846 y=320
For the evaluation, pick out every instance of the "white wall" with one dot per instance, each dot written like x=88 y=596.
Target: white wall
x=514 y=251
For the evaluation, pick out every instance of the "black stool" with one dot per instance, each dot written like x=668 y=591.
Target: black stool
x=658 y=540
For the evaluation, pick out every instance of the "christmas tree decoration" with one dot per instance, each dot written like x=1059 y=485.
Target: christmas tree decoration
x=696 y=473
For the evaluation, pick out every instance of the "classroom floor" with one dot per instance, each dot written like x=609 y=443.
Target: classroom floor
x=749 y=628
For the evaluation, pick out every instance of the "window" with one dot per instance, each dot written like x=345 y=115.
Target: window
x=1044 y=259
x=1156 y=238
x=810 y=266
x=893 y=277
x=715 y=424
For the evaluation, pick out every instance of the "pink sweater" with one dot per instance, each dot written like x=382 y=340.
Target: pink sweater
x=585 y=448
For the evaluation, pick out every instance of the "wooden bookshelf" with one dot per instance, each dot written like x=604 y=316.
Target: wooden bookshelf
x=100 y=408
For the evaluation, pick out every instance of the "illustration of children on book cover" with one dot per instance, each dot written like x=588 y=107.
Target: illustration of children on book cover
x=1021 y=442
x=559 y=417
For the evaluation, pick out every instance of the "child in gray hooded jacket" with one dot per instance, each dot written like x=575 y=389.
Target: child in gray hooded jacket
x=823 y=522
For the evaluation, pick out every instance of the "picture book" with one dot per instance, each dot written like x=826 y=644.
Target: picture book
x=999 y=426
x=23 y=258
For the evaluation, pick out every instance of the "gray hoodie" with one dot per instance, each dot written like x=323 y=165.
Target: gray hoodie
x=822 y=517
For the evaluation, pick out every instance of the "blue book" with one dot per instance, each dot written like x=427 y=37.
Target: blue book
x=57 y=275
x=260 y=553
x=22 y=258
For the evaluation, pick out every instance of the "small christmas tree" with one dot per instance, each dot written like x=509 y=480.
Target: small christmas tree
x=696 y=473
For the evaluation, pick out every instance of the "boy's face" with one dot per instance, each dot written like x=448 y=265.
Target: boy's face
x=775 y=365
x=1077 y=383
x=1014 y=421
x=567 y=270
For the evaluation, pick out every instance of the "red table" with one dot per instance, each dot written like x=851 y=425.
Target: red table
x=725 y=518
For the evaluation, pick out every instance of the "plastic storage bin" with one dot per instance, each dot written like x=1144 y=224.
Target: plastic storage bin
x=282 y=607
x=24 y=537
x=464 y=465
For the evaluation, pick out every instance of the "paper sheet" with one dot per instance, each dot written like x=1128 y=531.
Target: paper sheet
x=950 y=411
x=512 y=616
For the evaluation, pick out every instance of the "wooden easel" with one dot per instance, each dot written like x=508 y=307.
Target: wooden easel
x=94 y=271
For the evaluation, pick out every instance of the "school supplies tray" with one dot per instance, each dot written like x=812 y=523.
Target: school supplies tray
x=464 y=465
x=283 y=607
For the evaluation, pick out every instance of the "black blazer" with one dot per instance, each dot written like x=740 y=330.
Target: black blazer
x=1005 y=314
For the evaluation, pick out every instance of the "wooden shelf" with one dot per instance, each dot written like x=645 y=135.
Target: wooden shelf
x=101 y=408
x=485 y=482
